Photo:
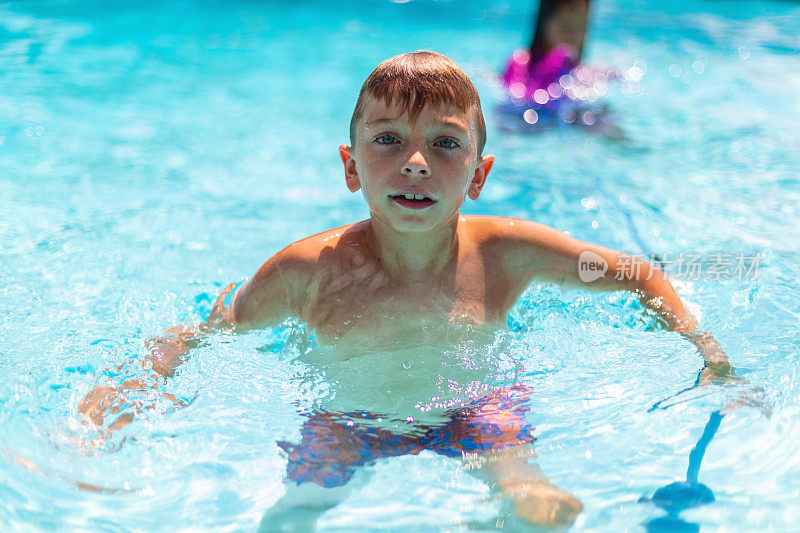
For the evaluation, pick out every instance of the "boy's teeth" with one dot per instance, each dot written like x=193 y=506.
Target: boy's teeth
x=414 y=196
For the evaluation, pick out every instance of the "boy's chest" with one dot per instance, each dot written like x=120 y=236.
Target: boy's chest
x=378 y=310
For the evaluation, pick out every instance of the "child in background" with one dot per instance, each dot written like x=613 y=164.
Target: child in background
x=556 y=48
x=546 y=82
x=416 y=271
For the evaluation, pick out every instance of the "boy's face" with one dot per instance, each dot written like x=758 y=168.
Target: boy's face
x=415 y=175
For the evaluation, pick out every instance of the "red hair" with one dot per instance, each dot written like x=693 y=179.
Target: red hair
x=416 y=79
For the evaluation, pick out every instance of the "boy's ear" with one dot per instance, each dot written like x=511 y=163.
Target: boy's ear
x=479 y=179
x=350 y=172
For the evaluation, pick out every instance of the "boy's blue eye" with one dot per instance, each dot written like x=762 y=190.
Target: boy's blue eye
x=386 y=139
x=447 y=143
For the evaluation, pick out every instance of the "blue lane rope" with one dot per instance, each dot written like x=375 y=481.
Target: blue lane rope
x=697 y=453
x=681 y=495
x=696 y=384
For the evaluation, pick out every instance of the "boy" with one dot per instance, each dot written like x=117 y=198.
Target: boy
x=416 y=142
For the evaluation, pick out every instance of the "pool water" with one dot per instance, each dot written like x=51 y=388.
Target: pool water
x=153 y=152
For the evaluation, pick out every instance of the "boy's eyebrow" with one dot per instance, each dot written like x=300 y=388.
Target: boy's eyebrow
x=379 y=121
x=453 y=123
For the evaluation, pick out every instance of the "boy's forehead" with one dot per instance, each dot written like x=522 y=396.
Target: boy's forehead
x=378 y=111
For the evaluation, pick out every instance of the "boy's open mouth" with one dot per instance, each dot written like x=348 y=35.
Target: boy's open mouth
x=413 y=201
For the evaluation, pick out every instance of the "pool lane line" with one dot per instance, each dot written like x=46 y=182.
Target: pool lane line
x=658 y=405
x=699 y=451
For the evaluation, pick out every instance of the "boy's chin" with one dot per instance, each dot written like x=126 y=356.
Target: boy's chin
x=423 y=226
x=414 y=227
x=412 y=223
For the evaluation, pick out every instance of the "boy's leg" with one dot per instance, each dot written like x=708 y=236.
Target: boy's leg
x=333 y=448
x=303 y=504
x=534 y=498
x=495 y=440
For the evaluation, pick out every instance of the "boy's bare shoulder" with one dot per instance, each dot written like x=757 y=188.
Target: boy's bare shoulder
x=279 y=286
x=525 y=248
x=514 y=233
x=323 y=249
x=307 y=258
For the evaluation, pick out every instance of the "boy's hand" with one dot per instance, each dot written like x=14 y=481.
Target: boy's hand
x=718 y=374
x=221 y=315
x=136 y=395
x=718 y=369
x=103 y=401
x=97 y=401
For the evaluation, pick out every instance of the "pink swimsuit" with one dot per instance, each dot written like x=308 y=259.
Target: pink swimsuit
x=522 y=79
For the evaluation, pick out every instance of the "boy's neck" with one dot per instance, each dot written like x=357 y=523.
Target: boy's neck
x=414 y=256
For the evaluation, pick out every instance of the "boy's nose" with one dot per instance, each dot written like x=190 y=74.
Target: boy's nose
x=416 y=166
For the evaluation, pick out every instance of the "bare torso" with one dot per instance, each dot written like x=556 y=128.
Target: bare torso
x=350 y=299
x=356 y=303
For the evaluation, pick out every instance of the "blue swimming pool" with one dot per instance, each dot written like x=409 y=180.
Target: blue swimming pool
x=153 y=152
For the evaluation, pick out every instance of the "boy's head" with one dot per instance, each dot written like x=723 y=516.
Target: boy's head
x=416 y=79
x=416 y=136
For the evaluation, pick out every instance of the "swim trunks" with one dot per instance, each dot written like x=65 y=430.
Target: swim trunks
x=334 y=444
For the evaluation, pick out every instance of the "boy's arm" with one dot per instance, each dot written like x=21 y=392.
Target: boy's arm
x=550 y=255
x=262 y=301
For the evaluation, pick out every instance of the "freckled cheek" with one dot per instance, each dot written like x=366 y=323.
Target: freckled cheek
x=373 y=178
x=369 y=168
x=456 y=167
x=372 y=162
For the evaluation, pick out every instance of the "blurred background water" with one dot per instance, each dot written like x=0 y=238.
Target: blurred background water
x=152 y=152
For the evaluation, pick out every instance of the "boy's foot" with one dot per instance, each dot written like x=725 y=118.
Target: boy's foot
x=542 y=503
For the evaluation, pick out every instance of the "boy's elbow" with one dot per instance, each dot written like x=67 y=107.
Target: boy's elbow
x=658 y=294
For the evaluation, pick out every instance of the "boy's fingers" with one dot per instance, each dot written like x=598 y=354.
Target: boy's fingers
x=321 y=312
x=364 y=271
x=753 y=397
x=312 y=292
x=338 y=283
x=177 y=401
